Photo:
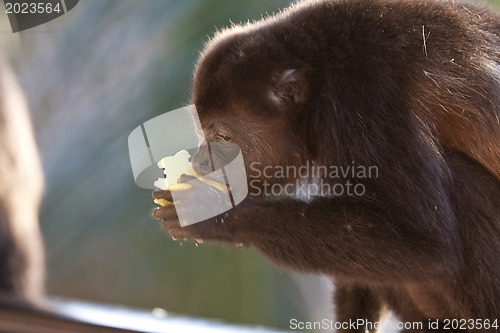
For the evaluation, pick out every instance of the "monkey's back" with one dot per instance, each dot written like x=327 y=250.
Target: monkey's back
x=441 y=57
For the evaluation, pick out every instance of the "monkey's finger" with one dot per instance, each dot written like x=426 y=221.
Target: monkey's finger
x=162 y=194
x=171 y=225
x=178 y=232
x=165 y=213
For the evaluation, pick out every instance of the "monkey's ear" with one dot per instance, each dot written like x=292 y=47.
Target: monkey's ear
x=290 y=86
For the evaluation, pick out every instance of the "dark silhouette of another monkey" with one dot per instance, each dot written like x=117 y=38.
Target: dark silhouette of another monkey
x=21 y=183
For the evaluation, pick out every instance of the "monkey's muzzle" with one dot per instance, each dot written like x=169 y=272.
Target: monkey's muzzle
x=160 y=151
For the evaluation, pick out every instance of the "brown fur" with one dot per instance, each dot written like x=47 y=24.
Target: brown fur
x=409 y=86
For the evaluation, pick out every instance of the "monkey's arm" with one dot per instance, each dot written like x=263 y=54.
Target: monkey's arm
x=330 y=235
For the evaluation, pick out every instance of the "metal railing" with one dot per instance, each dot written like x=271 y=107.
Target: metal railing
x=64 y=316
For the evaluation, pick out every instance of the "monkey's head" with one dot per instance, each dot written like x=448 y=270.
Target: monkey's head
x=251 y=90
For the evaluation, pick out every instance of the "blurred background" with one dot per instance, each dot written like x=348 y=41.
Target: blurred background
x=91 y=77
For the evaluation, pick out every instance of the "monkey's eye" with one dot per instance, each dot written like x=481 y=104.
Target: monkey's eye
x=223 y=136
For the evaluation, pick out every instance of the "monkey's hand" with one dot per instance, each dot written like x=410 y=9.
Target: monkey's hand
x=215 y=228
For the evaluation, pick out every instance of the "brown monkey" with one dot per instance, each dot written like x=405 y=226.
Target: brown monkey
x=21 y=183
x=411 y=87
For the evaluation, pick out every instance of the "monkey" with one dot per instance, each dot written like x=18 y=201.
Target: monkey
x=410 y=87
x=21 y=187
